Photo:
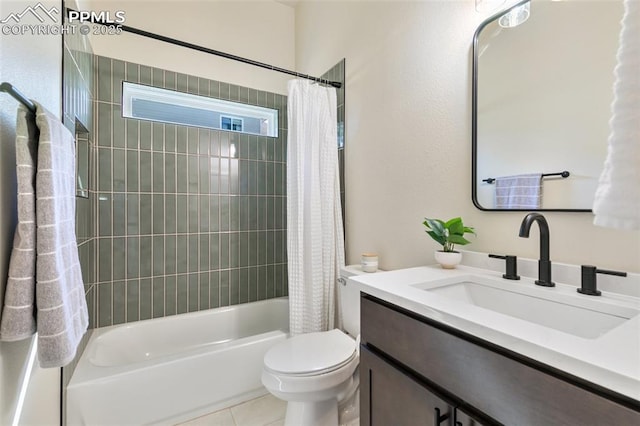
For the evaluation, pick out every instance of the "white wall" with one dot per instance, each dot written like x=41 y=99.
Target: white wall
x=34 y=65
x=261 y=30
x=408 y=134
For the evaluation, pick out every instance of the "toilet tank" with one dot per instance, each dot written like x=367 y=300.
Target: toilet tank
x=349 y=299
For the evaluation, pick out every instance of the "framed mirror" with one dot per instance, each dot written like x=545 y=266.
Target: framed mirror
x=541 y=103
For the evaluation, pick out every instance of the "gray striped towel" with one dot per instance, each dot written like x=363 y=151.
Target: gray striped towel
x=61 y=309
x=519 y=192
x=18 y=321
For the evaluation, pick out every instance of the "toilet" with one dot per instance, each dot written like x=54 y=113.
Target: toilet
x=314 y=372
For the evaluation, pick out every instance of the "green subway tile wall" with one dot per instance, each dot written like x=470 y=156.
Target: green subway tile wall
x=337 y=73
x=187 y=218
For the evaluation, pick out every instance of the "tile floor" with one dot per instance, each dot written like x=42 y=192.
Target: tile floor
x=266 y=411
x=263 y=411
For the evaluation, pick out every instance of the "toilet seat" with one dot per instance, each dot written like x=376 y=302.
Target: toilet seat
x=307 y=354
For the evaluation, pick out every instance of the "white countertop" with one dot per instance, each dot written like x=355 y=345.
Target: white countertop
x=611 y=360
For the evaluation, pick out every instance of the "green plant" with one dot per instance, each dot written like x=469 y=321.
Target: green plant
x=448 y=233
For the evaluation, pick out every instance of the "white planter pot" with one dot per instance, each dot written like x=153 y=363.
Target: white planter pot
x=448 y=259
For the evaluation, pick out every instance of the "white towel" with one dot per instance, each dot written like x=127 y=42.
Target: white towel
x=617 y=200
x=61 y=309
x=519 y=192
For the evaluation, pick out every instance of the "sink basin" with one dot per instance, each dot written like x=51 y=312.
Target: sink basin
x=548 y=307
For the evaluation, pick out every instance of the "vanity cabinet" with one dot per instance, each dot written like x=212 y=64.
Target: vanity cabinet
x=415 y=370
x=390 y=396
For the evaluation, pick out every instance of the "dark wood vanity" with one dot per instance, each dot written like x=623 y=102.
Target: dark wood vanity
x=417 y=371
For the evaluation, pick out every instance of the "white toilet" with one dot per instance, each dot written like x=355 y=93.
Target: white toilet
x=313 y=372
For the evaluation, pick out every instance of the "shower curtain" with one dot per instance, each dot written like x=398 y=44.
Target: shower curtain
x=314 y=218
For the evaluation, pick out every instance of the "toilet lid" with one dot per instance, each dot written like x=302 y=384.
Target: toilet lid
x=310 y=353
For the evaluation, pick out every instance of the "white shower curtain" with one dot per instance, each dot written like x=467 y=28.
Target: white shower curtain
x=617 y=199
x=314 y=218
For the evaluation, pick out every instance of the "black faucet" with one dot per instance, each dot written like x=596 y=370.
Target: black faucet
x=588 y=285
x=512 y=266
x=544 y=264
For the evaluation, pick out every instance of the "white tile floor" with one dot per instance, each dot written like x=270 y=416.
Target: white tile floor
x=264 y=411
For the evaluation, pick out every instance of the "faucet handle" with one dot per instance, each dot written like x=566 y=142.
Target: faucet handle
x=588 y=279
x=512 y=266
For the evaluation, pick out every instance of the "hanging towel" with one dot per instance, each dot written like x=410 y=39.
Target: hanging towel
x=314 y=217
x=617 y=199
x=18 y=321
x=519 y=192
x=62 y=308
x=61 y=312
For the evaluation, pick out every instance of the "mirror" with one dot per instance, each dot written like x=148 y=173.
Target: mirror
x=542 y=94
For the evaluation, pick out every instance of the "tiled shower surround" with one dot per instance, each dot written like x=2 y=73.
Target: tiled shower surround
x=187 y=218
x=337 y=73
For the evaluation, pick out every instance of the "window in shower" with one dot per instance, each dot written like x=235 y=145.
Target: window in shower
x=168 y=106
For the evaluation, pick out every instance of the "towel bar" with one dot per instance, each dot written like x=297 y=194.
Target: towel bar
x=8 y=88
x=563 y=174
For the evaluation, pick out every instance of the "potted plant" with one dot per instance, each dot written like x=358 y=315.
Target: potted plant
x=448 y=234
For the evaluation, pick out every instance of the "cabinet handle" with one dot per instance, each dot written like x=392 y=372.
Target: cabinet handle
x=455 y=418
x=439 y=418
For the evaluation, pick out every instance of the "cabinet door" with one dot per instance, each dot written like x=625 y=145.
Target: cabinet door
x=390 y=397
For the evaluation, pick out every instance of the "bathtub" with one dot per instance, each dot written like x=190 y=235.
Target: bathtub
x=172 y=369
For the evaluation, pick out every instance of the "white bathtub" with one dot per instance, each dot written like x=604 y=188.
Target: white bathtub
x=171 y=369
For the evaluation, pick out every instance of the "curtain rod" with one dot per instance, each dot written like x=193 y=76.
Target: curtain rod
x=8 y=88
x=181 y=43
